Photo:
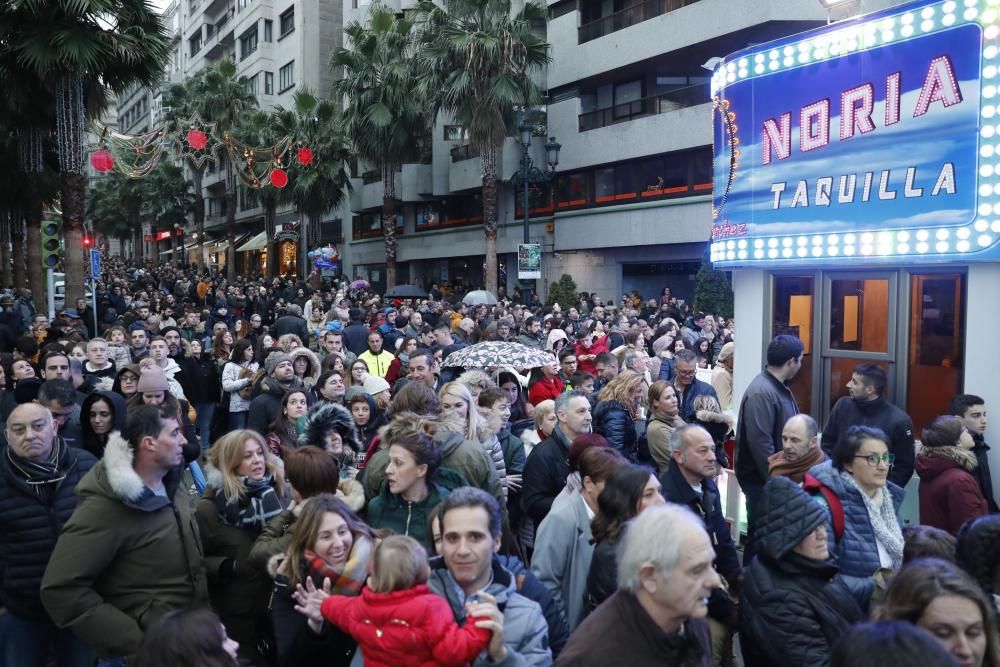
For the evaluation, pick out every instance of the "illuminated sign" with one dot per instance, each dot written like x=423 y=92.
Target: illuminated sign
x=869 y=139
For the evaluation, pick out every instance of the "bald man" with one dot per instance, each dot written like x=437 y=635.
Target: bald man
x=38 y=478
x=800 y=449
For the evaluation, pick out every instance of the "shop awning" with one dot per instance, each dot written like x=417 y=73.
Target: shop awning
x=258 y=242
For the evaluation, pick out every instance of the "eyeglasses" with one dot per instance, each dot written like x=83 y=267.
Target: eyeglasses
x=873 y=459
x=690 y=373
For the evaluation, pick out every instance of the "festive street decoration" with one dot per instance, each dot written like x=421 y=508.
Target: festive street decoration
x=324 y=258
x=197 y=140
x=134 y=155
x=102 y=161
x=279 y=178
x=259 y=166
x=305 y=156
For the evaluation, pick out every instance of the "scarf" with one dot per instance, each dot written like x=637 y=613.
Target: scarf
x=882 y=516
x=254 y=509
x=347 y=578
x=794 y=470
x=41 y=476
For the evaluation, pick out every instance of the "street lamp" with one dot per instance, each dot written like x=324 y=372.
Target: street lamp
x=529 y=175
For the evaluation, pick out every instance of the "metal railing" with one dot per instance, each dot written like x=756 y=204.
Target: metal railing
x=636 y=13
x=679 y=98
x=465 y=152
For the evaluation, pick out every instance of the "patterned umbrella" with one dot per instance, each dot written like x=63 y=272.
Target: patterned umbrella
x=493 y=354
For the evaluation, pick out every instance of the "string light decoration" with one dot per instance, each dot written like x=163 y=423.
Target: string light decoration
x=257 y=167
x=721 y=106
x=197 y=140
x=133 y=155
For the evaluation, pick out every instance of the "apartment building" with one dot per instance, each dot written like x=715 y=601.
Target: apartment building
x=630 y=207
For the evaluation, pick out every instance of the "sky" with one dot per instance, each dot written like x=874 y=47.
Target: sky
x=160 y=5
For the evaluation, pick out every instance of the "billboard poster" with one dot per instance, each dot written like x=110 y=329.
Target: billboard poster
x=529 y=261
x=870 y=139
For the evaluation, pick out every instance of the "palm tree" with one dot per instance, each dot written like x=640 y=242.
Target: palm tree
x=383 y=115
x=475 y=61
x=80 y=48
x=167 y=200
x=224 y=96
x=114 y=206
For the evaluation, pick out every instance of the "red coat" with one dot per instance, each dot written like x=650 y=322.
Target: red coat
x=596 y=347
x=949 y=493
x=544 y=390
x=408 y=628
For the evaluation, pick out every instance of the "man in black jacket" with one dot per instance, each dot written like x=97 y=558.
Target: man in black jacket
x=292 y=323
x=766 y=405
x=972 y=410
x=356 y=333
x=865 y=405
x=279 y=379
x=38 y=477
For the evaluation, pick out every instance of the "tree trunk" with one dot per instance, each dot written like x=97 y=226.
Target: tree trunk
x=272 y=245
x=389 y=223
x=74 y=197
x=199 y=213
x=231 y=235
x=32 y=256
x=154 y=246
x=490 y=216
x=6 y=237
x=137 y=243
x=18 y=235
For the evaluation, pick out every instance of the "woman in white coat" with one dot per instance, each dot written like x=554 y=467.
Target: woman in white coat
x=563 y=548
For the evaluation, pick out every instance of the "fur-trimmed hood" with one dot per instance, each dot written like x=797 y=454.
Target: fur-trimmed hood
x=325 y=417
x=932 y=461
x=115 y=476
x=314 y=365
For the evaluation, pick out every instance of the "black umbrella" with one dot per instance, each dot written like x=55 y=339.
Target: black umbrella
x=407 y=292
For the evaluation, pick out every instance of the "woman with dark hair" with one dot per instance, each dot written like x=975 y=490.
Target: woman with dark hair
x=580 y=444
x=520 y=409
x=222 y=347
x=266 y=344
x=939 y=597
x=188 y=638
x=204 y=390
x=703 y=348
x=628 y=490
x=283 y=432
x=357 y=373
x=978 y=552
x=7 y=402
x=949 y=491
x=409 y=492
x=888 y=644
x=101 y=413
x=544 y=383
x=328 y=542
x=563 y=546
x=398 y=366
x=237 y=383
x=866 y=525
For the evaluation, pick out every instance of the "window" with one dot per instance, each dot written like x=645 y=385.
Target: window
x=195 y=43
x=269 y=83
x=455 y=133
x=243 y=4
x=369 y=225
x=268 y=29
x=248 y=42
x=252 y=85
x=286 y=77
x=287 y=21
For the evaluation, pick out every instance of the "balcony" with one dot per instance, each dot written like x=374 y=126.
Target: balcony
x=637 y=13
x=220 y=37
x=465 y=152
x=679 y=98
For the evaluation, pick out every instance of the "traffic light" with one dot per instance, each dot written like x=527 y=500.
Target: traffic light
x=87 y=241
x=51 y=234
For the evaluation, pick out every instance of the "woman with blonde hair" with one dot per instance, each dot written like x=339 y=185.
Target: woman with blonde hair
x=545 y=423
x=618 y=408
x=459 y=399
x=244 y=490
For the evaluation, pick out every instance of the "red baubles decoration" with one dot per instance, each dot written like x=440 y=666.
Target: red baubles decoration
x=279 y=178
x=197 y=139
x=102 y=161
x=305 y=156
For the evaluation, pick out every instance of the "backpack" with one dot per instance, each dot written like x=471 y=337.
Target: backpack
x=813 y=486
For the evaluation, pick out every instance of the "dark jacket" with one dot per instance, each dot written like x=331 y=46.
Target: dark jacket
x=291 y=324
x=545 y=473
x=266 y=405
x=89 y=440
x=708 y=506
x=125 y=558
x=982 y=472
x=30 y=525
x=403 y=517
x=356 y=337
x=685 y=402
x=766 y=405
x=602 y=578
x=612 y=420
x=882 y=415
x=201 y=379
x=949 y=492
x=620 y=632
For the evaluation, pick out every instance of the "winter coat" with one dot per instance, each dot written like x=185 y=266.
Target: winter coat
x=356 y=337
x=545 y=473
x=407 y=627
x=125 y=558
x=525 y=632
x=613 y=421
x=238 y=591
x=103 y=379
x=404 y=517
x=545 y=389
x=232 y=381
x=327 y=417
x=376 y=420
x=982 y=473
x=882 y=415
x=30 y=525
x=528 y=585
x=598 y=346
x=856 y=551
x=378 y=364
x=686 y=400
x=514 y=458
x=949 y=492
x=90 y=440
x=561 y=559
x=206 y=381
x=266 y=405
x=312 y=373
x=528 y=340
x=602 y=577
x=620 y=632
x=766 y=405
x=658 y=433
x=291 y=324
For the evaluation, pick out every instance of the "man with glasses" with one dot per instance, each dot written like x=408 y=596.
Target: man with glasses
x=865 y=405
x=687 y=386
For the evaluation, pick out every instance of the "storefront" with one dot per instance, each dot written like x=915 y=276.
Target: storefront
x=857 y=197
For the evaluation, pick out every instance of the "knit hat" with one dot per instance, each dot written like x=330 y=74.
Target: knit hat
x=727 y=351
x=787 y=516
x=274 y=359
x=374 y=385
x=152 y=379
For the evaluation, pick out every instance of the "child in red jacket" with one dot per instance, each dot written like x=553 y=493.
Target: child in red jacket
x=397 y=621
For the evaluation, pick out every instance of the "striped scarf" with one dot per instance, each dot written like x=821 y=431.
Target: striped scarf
x=347 y=578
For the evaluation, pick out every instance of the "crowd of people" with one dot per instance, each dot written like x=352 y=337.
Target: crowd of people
x=278 y=473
